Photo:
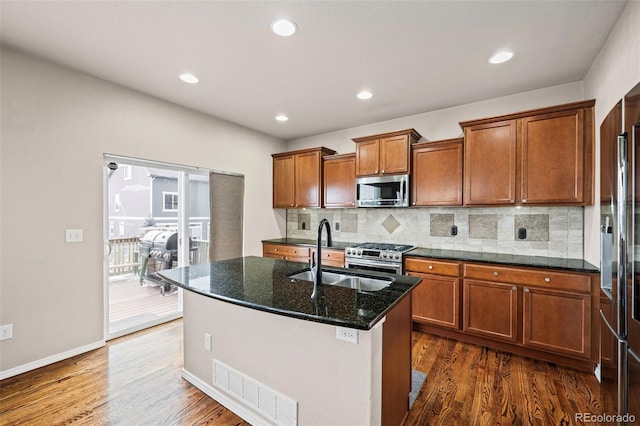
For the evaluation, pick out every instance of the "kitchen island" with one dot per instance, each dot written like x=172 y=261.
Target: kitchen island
x=255 y=341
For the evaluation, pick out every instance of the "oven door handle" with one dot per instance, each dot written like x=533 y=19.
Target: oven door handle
x=376 y=264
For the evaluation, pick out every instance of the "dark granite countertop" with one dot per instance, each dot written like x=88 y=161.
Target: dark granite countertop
x=337 y=245
x=574 y=265
x=262 y=283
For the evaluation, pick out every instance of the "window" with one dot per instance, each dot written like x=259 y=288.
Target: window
x=127 y=172
x=116 y=203
x=195 y=231
x=170 y=202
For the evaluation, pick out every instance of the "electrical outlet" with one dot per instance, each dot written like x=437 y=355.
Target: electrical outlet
x=347 y=334
x=207 y=342
x=6 y=331
x=522 y=233
x=454 y=230
x=337 y=226
x=73 y=236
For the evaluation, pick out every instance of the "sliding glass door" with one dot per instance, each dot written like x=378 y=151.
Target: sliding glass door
x=149 y=208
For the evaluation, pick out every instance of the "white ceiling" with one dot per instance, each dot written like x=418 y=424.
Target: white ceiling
x=415 y=56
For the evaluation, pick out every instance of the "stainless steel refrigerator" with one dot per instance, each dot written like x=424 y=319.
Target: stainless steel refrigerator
x=620 y=261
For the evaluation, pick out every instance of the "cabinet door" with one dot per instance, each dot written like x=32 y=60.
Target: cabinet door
x=557 y=321
x=394 y=155
x=490 y=310
x=609 y=131
x=490 y=163
x=367 y=157
x=283 y=182
x=339 y=182
x=308 y=179
x=553 y=154
x=436 y=300
x=437 y=175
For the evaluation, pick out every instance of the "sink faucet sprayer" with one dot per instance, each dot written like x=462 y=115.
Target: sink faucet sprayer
x=317 y=269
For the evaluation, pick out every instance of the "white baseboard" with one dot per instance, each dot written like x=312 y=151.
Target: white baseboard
x=5 y=374
x=226 y=400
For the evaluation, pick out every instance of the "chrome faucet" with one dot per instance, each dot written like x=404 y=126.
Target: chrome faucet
x=316 y=270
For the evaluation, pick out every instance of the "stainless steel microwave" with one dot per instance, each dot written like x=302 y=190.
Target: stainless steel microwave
x=382 y=191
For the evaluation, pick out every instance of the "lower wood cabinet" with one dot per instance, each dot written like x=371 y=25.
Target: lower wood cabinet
x=436 y=300
x=491 y=310
x=330 y=257
x=541 y=313
x=297 y=253
x=292 y=253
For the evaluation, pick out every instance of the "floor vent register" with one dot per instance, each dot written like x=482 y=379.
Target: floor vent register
x=276 y=407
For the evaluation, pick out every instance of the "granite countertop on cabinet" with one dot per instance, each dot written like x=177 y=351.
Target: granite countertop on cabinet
x=335 y=245
x=573 y=265
x=262 y=283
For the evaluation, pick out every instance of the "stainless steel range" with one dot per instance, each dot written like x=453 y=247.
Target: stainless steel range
x=376 y=257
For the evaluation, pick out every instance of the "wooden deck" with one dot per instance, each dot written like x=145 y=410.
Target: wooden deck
x=132 y=304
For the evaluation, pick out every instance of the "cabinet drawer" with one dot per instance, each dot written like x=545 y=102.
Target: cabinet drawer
x=330 y=257
x=534 y=277
x=429 y=266
x=285 y=251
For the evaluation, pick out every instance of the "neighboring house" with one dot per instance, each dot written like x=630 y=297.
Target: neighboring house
x=144 y=198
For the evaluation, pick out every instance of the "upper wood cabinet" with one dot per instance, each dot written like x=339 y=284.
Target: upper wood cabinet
x=609 y=131
x=437 y=173
x=297 y=178
x=339 y=180
x=385 y=154
x=539 y=157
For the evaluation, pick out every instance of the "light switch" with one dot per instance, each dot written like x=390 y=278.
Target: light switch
x=73 y=236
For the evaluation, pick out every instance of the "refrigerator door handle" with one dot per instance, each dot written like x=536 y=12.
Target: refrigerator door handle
x=615 y=333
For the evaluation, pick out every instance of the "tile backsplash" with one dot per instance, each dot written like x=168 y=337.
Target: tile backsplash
x=550 y=231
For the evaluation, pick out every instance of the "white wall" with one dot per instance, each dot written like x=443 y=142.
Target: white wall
x=615 y=71
x=443 y=124
x=56 y=126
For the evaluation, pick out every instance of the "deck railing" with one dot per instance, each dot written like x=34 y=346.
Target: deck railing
x=125 y=255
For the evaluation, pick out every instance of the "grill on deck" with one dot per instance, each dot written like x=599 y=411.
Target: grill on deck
x=159 y=251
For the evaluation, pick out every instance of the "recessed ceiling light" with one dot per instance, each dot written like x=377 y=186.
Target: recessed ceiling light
x=500 y=57
x=364 y=95
x=189 y=78
x=282 y=117
x=284 y=27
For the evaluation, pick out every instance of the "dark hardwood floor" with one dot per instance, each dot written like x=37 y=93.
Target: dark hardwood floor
x=135 y=380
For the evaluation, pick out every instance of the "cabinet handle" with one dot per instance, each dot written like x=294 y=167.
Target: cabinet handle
x=353 y=204
x=526 y=290
x=414 y=203
x=430 y=267
x=524 y=200
x=383 y=171
x=376 y=171
x=514 y=288
x=547 y=280
x=495 y=274
x=291 y=205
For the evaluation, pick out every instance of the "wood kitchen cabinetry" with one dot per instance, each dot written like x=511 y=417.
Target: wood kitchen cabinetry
x=538 y=309
x=436 y=300
x=538 y=157
x=297 y=253
x=541 y=313
x=292 y=253
x=330 y=257
x=339 y=180
x=297 y=178
x=437 y=173
x=385 y=154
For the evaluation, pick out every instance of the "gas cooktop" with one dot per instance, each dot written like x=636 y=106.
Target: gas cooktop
x=400 y=248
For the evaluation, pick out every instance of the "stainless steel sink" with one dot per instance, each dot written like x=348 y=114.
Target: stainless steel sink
x=362 y=283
